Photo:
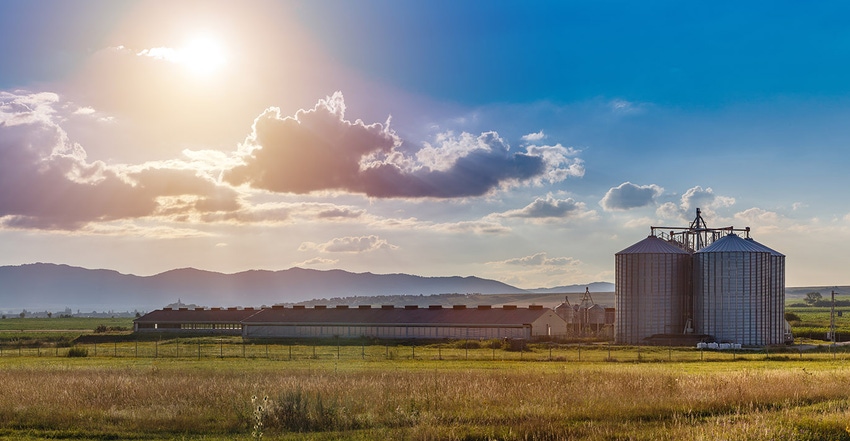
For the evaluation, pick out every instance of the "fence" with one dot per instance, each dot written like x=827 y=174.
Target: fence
x=230 y=349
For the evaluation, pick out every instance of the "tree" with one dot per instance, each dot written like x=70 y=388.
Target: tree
x=813 y=298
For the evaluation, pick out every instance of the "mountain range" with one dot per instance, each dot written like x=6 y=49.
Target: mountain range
x=46 y=286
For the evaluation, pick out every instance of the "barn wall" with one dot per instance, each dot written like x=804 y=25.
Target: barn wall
x=388 y=332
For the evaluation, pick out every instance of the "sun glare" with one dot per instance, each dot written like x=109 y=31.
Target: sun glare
x=202 y=55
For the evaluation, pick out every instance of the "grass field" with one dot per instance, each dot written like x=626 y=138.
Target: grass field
x=211 y=399
x=221 y=388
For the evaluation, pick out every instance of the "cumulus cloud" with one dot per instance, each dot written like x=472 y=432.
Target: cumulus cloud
x=359 y=244
x=534 y=136
x=696 y=197
x=540 y=259
x=47 y=182
x=627 y=195
x=548 y=208
x=319 y=150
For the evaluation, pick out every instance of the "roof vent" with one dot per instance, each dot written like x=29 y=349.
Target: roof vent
x=299 y=307
x=277 y=306
x=341 y=306
x=484 y=306
x=216 y=309
x=508 y=306
x=435 y=306
x=387 y=307
x=167 y=309
x=320 y=307
x=458 y=306
x=535 y=306
x=231 y=308
x=249 y=308
x=411 y=306
x=364 y=307
x=186 y=309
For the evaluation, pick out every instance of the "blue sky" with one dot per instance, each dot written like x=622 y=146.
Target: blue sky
x=526 y=143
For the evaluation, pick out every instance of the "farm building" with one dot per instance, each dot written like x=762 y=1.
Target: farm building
x=385 y=322
x=213 y=320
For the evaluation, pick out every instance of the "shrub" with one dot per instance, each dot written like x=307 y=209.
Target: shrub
x=78 y=352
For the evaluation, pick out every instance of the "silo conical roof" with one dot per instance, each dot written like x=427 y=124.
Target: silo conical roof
x=734 y=243
x=653 y=245
x=770 y=250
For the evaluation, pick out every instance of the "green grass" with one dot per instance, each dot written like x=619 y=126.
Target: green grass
x=62 y=324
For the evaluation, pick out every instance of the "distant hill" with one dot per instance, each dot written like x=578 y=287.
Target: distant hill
x=44 y=286
x=594 y=287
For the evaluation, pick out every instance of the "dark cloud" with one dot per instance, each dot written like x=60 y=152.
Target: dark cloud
x=628 y=195
x=46 y=181
x=318 y=149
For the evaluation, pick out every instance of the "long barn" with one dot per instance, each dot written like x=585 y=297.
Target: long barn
x=385 y=322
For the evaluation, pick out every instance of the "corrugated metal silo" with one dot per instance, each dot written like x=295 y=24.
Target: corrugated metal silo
x=652 y=290
x=776 y=296
x=732 y=290
x=566 y=312
x=595 y=317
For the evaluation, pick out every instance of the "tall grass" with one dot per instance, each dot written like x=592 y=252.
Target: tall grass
x=423 y=400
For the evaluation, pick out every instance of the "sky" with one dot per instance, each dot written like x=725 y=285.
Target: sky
x=526 y=142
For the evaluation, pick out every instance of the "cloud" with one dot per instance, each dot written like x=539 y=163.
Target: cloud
x=696 y=197
x=534 y=136
x=316 y=261
x=47 y=182
x=548 y=208
x=539 y=259
x=319 y=150
x=628 y=195
x=360 y=244
x=470 y=227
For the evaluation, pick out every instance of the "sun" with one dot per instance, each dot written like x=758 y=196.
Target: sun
x=202 y=55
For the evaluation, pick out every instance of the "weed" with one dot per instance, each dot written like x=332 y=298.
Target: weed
x=78 y=352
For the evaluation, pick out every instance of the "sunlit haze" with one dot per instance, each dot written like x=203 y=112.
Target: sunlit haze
x=525 y=143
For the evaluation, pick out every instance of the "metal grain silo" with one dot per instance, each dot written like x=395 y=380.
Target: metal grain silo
x=652 y=290
x=732 y=291
x=776 y=296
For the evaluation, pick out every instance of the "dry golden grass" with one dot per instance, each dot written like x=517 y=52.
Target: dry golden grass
x=423 y=399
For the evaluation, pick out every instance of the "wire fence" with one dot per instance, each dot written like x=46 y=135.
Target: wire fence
x=229 y=349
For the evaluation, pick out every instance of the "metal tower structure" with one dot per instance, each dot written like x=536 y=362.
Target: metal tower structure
x=695 y=236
